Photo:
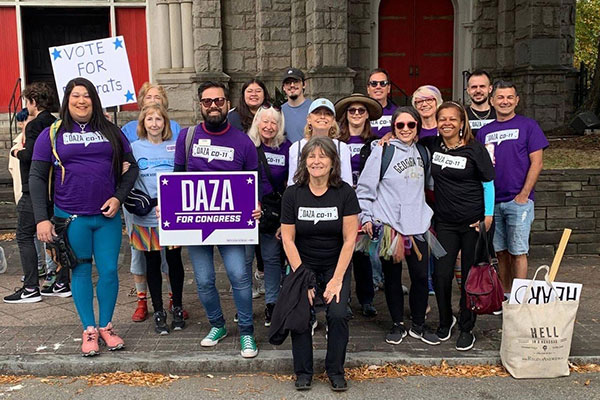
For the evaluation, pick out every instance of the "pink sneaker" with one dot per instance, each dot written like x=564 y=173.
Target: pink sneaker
x=110 y=338
x=89 y=345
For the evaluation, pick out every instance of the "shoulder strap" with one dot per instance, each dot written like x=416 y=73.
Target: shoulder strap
x=386 y=159
x=424 y=153
x=262 y=158
x=53 y=133
x=299 y=149
x=188 y=143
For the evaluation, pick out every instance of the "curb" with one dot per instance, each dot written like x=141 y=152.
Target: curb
x=268 y=361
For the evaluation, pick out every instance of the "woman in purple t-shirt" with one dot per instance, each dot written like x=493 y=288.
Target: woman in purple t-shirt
x=354 y=114
x=90 y=183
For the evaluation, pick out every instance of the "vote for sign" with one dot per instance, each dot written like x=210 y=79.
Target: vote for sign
x=104 y=62
x=207 y=208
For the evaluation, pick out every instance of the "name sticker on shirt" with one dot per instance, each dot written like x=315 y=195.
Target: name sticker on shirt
x=500 y=136
x=171 y=148
x=213 y=152
x=479 y=123
x=275 y=159
x=317 y=214
x=84 y=138
x=446 y=160
x=382 y=122
x=355 y=148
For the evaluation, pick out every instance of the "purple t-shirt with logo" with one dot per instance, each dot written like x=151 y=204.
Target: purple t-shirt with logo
x=384 y=124
x=509 y=144
x=228 y=150
x=424 y=132
x=279 y=162
x=89 y=179
x=355 y=144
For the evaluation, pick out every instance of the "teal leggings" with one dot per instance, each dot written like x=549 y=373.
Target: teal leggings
x=101 y=237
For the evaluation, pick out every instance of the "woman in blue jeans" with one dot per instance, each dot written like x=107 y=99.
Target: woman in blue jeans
x=90 y=182
x=267 y=133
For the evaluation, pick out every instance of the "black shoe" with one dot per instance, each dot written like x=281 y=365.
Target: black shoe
x=160 y=322
x=368 y=310
x=269 y=313
x=397 y=333
x=303 y=383
x=445 y=333
x=24 y=295
x=424 y=334
x=465 y=341
x=57 y=290
x=338 y=384
x=178 y=322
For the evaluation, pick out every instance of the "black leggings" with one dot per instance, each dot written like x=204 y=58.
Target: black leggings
x=154 y=276
x=454 y=237
x=363 y=276
x=419 y=291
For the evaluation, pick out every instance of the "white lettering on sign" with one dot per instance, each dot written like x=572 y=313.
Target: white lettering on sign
x=446 y=160
x=217 y=198
x=500 y=136
x=84 y=138
x=542 y=293
x=275 y=159
x=382 y=122
x=479 y=123
x=355 y=148
x=213 y=152
x=317 y=214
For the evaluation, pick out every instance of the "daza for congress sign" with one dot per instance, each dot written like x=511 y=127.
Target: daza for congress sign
x=104 y=62
x=208 y=208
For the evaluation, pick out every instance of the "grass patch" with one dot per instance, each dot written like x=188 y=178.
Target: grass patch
x=572 y=153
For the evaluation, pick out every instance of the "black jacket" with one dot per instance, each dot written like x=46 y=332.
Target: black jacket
x=32 y=131
x=292 y=310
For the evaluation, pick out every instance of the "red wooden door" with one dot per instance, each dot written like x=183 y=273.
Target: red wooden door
x=10 y=55
x=416 y=40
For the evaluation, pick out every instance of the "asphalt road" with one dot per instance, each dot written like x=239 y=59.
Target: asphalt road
x=576 y=386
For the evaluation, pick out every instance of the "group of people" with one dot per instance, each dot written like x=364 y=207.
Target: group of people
x=363 y=186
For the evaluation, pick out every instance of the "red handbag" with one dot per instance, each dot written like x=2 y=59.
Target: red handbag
x=483 y=287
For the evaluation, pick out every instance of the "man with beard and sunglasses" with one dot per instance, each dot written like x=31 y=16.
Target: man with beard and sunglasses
x=239 y=155
x=479 y=89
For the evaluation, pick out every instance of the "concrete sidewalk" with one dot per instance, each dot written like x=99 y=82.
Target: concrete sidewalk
x=44 y=338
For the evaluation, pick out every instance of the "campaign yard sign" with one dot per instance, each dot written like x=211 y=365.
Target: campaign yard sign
x=104 y=62
x=207 y=208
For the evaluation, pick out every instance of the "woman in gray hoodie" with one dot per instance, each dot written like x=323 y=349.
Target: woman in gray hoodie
x=391 y=192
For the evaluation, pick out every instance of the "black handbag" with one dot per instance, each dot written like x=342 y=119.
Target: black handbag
x=60 y=249
x=271 y=203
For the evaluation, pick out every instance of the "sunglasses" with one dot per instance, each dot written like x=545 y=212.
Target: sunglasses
x=381 y=83
x=219 y=102
x=410 y=125
x=266 y=106
x=354 y=110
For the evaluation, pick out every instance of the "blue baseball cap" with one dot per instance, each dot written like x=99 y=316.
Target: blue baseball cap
x=322 y=103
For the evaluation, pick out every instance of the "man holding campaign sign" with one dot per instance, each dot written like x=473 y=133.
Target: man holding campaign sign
x=515 y=144
x=215 y=208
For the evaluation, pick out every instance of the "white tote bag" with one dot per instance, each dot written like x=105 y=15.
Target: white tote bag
x=536 y=338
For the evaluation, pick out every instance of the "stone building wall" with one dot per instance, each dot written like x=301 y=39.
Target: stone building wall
x=359 y=42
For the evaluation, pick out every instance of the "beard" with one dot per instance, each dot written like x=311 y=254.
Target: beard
x=293 y=97
x=213 y=119
x=480 y=102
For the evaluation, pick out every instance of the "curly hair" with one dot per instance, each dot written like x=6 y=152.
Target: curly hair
x=326 y=145
x=42 y=93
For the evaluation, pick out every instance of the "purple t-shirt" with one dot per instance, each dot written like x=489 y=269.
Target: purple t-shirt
x=355 y=145
x=424 y=132
x=87 y=158
x=509 y=144
x=384 y=124
x=279 y=162
x=228 y=150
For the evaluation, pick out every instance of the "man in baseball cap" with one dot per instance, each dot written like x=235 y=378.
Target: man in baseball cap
x=296 y=108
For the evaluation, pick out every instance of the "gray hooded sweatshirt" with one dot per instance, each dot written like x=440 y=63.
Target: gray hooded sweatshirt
x=398 y=200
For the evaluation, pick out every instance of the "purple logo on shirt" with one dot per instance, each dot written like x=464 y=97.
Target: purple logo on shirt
x=207 y=208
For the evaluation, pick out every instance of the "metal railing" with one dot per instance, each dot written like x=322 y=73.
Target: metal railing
x=14 y=106
x=398 y=96
x=584 y=81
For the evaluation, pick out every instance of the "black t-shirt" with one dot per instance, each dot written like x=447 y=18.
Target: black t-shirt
x=318 y=221
x=457 y=176
x=479 y=119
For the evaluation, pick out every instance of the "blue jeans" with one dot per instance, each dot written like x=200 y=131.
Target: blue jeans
x=271 y=248
x=100 y=237
x=513 y=224
x=239 y=275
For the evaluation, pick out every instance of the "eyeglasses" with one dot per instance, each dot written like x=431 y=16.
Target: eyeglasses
x=354 y=110
x=219 y=102
x=266 y=106
x=420 y=102
x=410 y=125
x=381 y=83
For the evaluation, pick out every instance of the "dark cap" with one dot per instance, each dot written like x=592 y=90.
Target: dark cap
x=293 y=73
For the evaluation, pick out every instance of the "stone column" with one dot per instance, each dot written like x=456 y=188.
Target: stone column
x=175 y=34
x=298 y=34
x=187 y=35
x=164 y=41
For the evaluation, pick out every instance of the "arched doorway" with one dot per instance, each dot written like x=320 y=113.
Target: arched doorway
x=416 y=41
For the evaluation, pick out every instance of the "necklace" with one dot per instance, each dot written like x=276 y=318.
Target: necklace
x=447 y=148
x=486 y=116
x=82 y=126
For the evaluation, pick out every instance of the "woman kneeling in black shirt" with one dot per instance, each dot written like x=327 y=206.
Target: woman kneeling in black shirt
x=319 y=224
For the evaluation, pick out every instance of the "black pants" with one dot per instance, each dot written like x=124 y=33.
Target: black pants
x=154 y=276
x=419 y=292
x=26 y=231
x=454 y=237
x=363 y=276
x=337 y=335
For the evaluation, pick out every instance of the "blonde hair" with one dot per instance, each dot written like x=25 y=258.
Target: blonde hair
x=253 y=132
x=427 y=91
x=141 y=128
x=334 y=131
x=144 y=90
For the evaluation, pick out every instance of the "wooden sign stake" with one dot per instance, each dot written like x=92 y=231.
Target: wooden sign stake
x=559 y=253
